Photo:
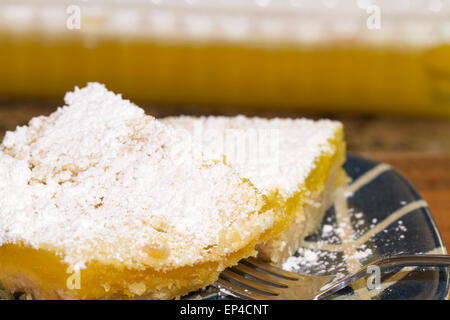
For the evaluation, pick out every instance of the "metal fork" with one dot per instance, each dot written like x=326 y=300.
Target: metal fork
x=254 y=279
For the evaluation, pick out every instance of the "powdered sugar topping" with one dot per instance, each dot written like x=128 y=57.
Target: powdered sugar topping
x=266 y=151
x=99 y=179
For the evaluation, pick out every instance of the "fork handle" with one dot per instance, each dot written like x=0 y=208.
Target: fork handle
x=415 y=260
x=387 y=264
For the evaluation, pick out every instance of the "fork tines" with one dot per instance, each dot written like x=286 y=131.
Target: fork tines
x=253 y=279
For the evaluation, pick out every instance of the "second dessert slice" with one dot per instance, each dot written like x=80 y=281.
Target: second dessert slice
x=295 y=162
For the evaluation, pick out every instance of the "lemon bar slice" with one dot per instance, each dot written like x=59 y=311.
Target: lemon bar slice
x=294 y=162
x=99 y=200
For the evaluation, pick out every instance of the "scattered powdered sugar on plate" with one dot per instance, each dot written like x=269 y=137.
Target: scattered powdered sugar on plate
x=319 y=259
x=326 y=230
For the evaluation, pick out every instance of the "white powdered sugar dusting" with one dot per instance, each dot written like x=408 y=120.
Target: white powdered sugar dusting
x=100 y=180
x=318 y=259
x=274 y=154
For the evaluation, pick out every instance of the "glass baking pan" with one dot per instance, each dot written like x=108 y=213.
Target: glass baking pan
x=390 y=57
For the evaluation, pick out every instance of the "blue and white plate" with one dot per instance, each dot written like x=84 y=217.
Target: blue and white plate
x=380 y=215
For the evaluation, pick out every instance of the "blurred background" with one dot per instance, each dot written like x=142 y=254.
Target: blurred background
x=383 y=57
x=381 y=67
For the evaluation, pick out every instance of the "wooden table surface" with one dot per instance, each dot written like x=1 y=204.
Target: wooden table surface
x=418 y=148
